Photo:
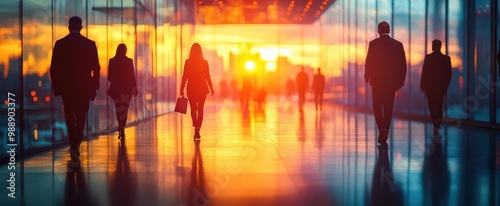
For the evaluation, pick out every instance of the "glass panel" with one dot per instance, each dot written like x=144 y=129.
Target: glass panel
x=38 y=103
x=352 y=67
x=416 y=56
x=498 y=68
x=457 y=51
x=371 y=33
x=401 y=31
x=479 y=93
x=384 y=9
x=361 y=49
x=11 y=97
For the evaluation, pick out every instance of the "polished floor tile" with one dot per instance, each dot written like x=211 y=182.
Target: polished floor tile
x=269 y=156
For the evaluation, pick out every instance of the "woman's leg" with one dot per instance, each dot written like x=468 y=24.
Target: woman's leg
x=201 y=105
x=121 y=106
x=125 y=105
x=193 y=103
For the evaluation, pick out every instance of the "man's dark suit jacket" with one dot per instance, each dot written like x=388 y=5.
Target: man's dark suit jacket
x=197 y=76
x=318 y=84
x=122 y=77
x=436 y=74
x=74 y=69
x=385 y=65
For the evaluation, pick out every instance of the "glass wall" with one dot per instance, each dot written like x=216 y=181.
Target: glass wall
x=11 y=73
x=153 y=32
x=464 y=27
x=480 y=51
x=457 y=42
x=497 y=59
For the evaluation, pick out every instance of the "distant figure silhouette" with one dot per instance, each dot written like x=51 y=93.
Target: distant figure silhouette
x=247 y=87
x=290 y=88
x=223 y=89
x=385 y=70
x=74 y=71
x=122 y=85
x=318 y=87
x=436 y=77
x=199 y=83
x=260 y=96
x=302 y=83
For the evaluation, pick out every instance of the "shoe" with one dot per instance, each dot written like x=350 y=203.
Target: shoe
x=382 y=136
x=74 y=154
x=435 y=131
x=74 y=164
x=196 y=137
x=121 y=133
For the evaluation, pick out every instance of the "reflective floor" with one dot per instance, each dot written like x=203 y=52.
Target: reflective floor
x=269 y=156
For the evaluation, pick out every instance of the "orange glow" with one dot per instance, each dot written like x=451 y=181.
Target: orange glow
x=6 y=102
x=270 y=66
x=362 y=90
x=33 y=93
x=299 y=44
x=10 y=46
x=47 y=99
x=35 y=99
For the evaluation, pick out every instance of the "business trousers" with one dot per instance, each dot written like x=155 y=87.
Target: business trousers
x=197 y=103
x=383 y=103
x=435 y=104
x=75 y=113
x=318 y=99
x=302 y=98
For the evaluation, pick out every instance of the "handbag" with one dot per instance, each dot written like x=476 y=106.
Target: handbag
x=181 y=105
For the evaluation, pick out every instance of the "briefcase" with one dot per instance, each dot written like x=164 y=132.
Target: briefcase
x=181 y=105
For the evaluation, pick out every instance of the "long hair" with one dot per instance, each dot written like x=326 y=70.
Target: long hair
x=195 y=53
x=121 y=50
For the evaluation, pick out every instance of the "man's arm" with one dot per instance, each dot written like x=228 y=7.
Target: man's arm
x=423 y=76
x=55 y=70
x=448 y=71
x=402 y=66
x=96 y=68
x=369 y=63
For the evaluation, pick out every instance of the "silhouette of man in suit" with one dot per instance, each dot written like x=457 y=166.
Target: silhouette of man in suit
x=318 y=86
x=436 y=76
x=385 y=70
x=74 y=71
x=302 y=81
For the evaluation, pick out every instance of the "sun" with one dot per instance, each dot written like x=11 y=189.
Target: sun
x=250 y=65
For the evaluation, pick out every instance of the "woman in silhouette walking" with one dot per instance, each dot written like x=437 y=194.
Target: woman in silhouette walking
x=123 y=85
x=199 y=84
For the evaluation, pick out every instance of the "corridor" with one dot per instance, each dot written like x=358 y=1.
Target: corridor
x=272 y=155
